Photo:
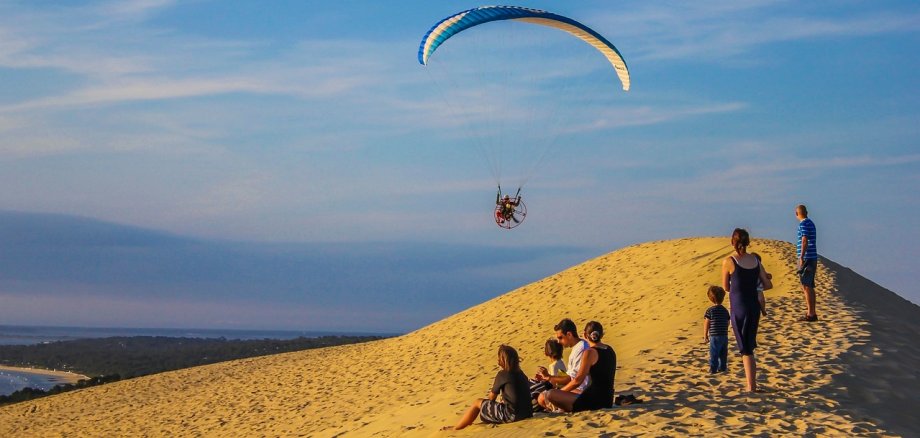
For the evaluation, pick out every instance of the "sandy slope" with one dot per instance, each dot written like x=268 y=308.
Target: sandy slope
x=853 y=373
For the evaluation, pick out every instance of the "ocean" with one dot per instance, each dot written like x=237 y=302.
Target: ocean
x=12 y=381
x=29 y=335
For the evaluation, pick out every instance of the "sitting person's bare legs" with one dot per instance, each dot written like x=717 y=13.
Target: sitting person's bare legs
x=562 y=399
x=470 y=416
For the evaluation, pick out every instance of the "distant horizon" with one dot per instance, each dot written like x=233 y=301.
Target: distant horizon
x=82 y=272
x=206 y=329
x=86 y=262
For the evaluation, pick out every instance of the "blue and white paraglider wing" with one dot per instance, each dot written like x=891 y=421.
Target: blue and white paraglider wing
x=461 y=21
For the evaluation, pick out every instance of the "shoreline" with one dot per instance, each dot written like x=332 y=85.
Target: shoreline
x=62 y=376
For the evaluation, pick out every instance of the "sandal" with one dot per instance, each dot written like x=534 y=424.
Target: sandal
x=627 y=399
x=631 y=400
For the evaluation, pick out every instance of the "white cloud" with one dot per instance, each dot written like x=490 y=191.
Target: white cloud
x=717 y=30
x=770 y=179
x=132 y=9
x=649 y=115
x=817 y=165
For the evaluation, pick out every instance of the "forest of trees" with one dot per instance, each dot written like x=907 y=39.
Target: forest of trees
x=109 y=359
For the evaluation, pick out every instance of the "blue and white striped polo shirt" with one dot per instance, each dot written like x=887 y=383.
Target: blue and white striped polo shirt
x=807 y=229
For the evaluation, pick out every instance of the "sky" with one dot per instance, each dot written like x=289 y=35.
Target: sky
x=291 y=165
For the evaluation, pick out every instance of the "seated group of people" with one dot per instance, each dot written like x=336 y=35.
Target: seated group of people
x=584 y=383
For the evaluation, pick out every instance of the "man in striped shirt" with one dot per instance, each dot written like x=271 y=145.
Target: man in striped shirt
x=806 y=246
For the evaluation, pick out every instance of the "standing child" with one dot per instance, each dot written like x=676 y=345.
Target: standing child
x=511 y=384
x=716 y=330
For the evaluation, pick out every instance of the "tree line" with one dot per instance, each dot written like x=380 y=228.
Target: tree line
x=106 y=360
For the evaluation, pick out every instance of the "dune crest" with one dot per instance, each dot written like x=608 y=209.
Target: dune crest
x=849 y=374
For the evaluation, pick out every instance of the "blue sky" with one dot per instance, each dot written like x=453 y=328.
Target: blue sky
x=310 y=125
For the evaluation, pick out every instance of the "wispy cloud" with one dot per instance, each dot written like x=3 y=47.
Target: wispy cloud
x=649 y=115
x=817 y=165
x=122 y=83
x=717 y=30
x=132 y=9
x=770 y=179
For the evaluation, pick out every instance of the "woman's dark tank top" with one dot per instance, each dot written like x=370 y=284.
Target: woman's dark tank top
x=599 y=394
x=743 y=285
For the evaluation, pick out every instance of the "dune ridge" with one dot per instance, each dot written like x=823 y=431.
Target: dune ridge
x=849 y=374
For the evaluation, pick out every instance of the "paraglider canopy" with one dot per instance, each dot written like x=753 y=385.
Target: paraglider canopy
x=448 y=27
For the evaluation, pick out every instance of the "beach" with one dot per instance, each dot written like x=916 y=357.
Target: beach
x=849 y=374
x=63 y=376
x=15 y=378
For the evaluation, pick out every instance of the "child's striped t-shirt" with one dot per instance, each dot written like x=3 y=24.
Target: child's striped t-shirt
x=718 y=320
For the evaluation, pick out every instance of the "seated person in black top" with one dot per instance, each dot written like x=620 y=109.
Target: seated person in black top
x=600 y=363
x=514 y=388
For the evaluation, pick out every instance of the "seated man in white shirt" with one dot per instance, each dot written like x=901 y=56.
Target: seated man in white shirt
x=567 y=335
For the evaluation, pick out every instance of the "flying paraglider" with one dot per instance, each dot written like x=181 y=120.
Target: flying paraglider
x=510 y=211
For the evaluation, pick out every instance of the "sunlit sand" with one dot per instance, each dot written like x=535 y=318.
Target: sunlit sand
x=851 y=373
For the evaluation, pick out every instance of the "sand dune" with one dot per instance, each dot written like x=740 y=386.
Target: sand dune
x=852 y=373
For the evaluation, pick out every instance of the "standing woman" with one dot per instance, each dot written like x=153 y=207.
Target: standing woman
x=600 y=363
x=740 y=274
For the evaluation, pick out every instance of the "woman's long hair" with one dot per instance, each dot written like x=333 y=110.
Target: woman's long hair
x=508 y=358
x=741 y=240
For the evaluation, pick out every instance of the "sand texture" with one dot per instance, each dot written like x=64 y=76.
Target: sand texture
x=853 y=373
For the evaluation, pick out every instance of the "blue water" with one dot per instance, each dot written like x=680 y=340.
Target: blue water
x=12 y=381
x=29 y=335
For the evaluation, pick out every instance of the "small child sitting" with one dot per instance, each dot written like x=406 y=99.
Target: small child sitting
x=553 y=350
x=716 y=330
